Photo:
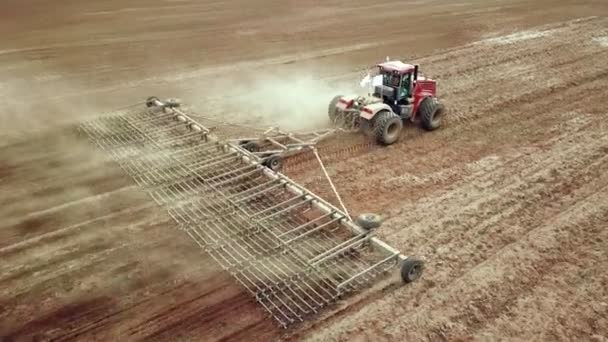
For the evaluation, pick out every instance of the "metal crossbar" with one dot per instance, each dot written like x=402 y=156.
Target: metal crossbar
x=289 y=248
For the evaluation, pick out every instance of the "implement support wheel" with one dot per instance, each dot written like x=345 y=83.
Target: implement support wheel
x=275 y=163
x=411 y=269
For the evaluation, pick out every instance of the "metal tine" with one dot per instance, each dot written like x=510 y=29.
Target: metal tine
x=238 y=177
x=150 y=121
x=330 y=244
x=357 y=239
x=272 y=237
x=216 y=160
x=283 y=211
x=311 y=281
x=393 y=256
x=236 y=187
x=97 y=131
x=283 y=314
x=202 y=148
x=306 y=277
x=304 y=225
x=313 y=230
x=157 y=129
x=248 y=166
x=115 y=142
x=279 y=205
x=256 y=255
x=333 y=270
x=254 y=188
x=105 y=127
x=277 y=184
x=181 y=138
x=151 y=118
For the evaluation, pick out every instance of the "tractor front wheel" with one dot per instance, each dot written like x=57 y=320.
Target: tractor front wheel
x=332 y=110
x=431 y=113
x=387 y=127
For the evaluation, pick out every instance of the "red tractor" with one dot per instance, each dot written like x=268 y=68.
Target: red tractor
x=399 y=94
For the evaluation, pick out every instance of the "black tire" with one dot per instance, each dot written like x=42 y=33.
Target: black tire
x=369 y=221
x=331 y=109
x=411 y=269
x=250 y=146
x=275 y=163
x=366 y=127
x=387 y=127
x=431 y=112
x=172 y=103
x=150 y=101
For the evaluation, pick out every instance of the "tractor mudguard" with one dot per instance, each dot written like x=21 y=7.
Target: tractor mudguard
x=368 y=112
x=346 y=101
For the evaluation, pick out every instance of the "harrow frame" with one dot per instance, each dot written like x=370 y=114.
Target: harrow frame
x=293 y=251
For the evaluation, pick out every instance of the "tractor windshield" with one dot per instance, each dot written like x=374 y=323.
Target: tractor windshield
x=391 y=79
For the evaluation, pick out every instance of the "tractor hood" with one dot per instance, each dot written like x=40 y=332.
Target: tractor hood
x=355 y=102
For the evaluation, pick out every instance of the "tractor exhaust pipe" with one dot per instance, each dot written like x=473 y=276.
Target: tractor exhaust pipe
x=415 y=72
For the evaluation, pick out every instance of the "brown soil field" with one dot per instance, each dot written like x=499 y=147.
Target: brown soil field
x=507 y=202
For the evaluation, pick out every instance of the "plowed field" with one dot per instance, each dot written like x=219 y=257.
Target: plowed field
x=507 y=202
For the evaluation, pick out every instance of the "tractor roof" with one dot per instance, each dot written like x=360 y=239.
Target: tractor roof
x=397 y=66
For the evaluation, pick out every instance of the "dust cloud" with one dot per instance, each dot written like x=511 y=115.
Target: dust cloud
x=290 y=101
x=41 y=154
x=29 y=108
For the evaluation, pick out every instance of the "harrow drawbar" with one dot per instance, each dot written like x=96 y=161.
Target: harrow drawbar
x=293 y=251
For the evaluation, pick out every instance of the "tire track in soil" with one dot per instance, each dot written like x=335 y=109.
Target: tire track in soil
x=513 y=212
x=115 y=316
x=596 y=81
x=452 y=295
x=493 y=109
x=339 y=159
x=36 y=225
x=396 y=196
x=94 y=318
x=67 y=317
x=448 y=56
x=518 y=94
x=556 y=94
x=490 y=303
x=167 y=314
x=484 y=174
x=498 y=178
x=574 y=294
x=445 y=65
x=191 y=320
x=463 y=259
x=112 y=316
x=592 y=188
x=92 y=255
x=494 y=230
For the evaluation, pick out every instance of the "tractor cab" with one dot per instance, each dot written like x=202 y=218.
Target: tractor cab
x=397 y=86
x=396 y=93
x=397 y=80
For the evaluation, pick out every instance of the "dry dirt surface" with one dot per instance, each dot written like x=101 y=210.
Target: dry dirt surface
x=507 y=202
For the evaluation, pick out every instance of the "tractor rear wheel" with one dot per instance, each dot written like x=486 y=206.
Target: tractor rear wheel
x=387 y=127
x=331 y=109
x=431 y=113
